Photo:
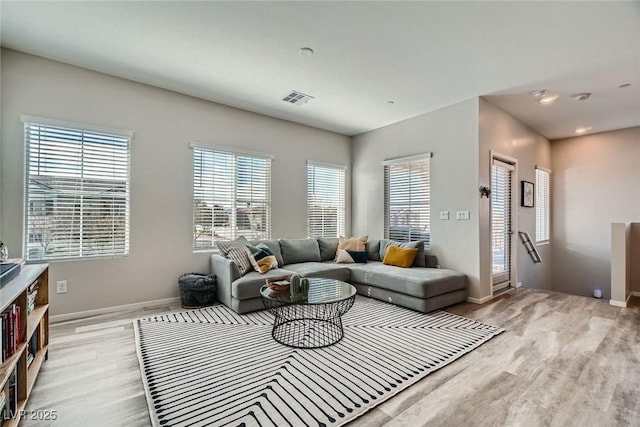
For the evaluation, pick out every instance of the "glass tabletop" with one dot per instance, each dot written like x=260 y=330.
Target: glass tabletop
x=321 y=291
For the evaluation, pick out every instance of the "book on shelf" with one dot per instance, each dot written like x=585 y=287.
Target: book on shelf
x=32 y=292
x=10 y=396
x=32 y=348
x=10 y=331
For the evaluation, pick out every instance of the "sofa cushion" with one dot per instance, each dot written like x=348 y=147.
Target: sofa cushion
x=400 y=257
x=419 y=261
x=327 y=269
x=274 y=245
x=248 y=286
x=373 y=250
x=424 y=305
x=328 y=247
x=299 y=250
x=417 y=282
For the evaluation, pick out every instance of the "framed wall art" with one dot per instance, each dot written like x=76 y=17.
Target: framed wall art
x=527 y=194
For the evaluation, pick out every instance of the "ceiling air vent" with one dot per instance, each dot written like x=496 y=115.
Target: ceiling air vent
x=298 y=98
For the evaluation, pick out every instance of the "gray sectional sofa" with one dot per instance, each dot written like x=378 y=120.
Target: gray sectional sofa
x=422 y=287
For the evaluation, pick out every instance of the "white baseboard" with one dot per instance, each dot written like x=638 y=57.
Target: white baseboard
x=479 y=300
x=635 y=294
x=106 y=310
x=617 y=303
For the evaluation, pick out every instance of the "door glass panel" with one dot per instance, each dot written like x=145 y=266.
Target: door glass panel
x=501 y=223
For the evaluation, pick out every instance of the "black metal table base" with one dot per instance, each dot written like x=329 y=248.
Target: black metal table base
x=308 y=325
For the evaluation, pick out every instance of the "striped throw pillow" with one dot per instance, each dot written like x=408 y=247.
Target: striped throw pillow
x=236 y=252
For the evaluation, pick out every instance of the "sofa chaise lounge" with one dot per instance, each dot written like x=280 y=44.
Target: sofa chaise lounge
x=423 y=287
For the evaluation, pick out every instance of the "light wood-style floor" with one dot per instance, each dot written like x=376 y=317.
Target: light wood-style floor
x=563 y=361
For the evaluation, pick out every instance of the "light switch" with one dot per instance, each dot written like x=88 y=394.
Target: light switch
x=444 y=214
x=462 y=215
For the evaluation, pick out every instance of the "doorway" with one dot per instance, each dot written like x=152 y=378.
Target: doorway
x=503 y=207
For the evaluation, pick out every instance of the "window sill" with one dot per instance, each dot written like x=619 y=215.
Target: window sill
x=207 y=251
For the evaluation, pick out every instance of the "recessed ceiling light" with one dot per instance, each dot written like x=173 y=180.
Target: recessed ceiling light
x=583 y=129
x=624 y=85
x=544 y=97
x=305 y=51
x=549 y=99
x=582 y=96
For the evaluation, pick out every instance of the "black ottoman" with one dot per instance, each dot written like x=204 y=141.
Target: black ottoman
x=197 y=290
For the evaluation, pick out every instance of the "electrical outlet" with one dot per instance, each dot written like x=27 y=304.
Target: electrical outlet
x=61 y=287
x=462 y=215
x=444 y=214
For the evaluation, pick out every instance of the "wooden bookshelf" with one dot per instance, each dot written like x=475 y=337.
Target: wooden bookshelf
x=35 y=324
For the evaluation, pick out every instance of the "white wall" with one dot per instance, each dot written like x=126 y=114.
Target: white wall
x=451 y=134
x=504 y=134
x=164 y=123
x=594 y=183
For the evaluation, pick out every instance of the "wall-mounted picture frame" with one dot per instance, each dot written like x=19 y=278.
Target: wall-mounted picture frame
x=527 y=193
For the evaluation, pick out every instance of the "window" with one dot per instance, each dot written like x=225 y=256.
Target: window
x=231 y=195
x=325 y=200
x=407 y=199
x=77 y=192
x=543 y=205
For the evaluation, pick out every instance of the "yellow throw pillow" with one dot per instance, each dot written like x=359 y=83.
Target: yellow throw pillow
x=400 y=257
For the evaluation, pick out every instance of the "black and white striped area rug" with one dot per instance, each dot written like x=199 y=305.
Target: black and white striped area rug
x=215 y=367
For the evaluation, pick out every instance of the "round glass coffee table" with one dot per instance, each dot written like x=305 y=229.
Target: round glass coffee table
x=313 y=320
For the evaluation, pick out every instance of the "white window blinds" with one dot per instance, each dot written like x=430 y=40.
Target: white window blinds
x=231 y=196
x=325 y=200
x=543 y=206
x=407 y=198
x=77 y=191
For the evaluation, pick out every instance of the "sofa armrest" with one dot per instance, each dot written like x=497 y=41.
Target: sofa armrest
x=226 y=271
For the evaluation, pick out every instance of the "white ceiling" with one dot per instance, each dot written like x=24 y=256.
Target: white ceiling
x=421 y=55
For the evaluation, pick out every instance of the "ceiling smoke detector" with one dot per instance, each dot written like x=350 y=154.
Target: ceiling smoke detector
x=582 y=96
x=297 y=98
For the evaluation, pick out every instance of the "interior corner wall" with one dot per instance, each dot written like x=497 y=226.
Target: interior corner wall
x=502 y=133
x=164 y=123
x=594 y=183
x=634 y=262
x=451 y=134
